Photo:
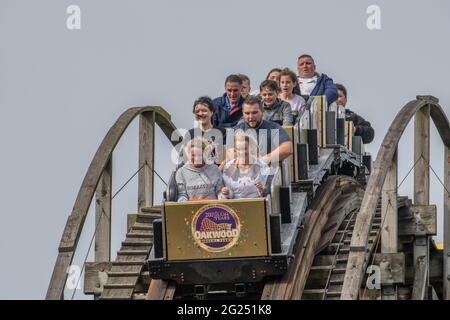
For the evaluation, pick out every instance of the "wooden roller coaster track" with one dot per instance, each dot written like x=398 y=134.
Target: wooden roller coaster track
x=340 y=235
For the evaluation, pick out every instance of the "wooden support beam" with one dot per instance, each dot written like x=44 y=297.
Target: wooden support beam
x=95 y=276
x=421 y=221
x=434 y=269
x=421 y=197
x=146 y=159
x=103 y=215
x=422 y=156
x=446 y=273
x=420 y=279
x=389 y=233
x=392 y=267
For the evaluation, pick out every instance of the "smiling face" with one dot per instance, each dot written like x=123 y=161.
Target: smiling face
x=196 y=157
x=233 y=91
x=245 y=148
x=252 y=114
x=202 y=114
x=241 y=150
x=269 y=96
x=286 y=84
x=306 y=67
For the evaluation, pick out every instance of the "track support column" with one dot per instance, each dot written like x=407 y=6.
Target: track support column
x=446 y=273
x=389 y=230
x=421 y=197
x=146 y=159
x=103 y=215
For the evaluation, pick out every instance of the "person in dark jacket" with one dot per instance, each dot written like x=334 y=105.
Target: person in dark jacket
x=312 y=83
x=228 y=107
x=362 y=127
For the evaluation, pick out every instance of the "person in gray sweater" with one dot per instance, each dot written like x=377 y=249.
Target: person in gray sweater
x=275 y=109
x=196 y=179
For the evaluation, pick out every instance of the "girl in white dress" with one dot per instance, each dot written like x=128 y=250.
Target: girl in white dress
x=245 y=176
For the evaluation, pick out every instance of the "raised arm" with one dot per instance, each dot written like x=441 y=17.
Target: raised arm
x=283 y=151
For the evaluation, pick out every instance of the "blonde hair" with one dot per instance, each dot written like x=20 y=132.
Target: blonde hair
x=197 y=142
x=251 y=145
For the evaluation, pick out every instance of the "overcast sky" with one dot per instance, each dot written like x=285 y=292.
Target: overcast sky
x=61 y=90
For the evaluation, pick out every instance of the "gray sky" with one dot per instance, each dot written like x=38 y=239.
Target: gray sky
x=61 y=90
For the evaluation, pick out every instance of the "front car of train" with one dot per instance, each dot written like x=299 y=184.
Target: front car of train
x=230 y=246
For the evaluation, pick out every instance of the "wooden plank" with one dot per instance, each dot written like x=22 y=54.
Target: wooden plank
x=421 y=221
x=420 y=279
x=421 y=197
x=131 y=220
x=75 y=221
x=117 y=294
x=441 y=123
x=446 y=273
x=170 y=291
x=367 y=294
x=353 y=275
x=95 y=276
x=146 y=159
x=392 y=267
x=122 y=287
x=57 y=284
x=422 y=156
x=126 y=268
x=161 y=290
x=389 y=234
x=103 y=215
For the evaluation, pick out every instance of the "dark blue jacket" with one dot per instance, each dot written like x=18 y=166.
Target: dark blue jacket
x=362 y=127
x=325 y=87
x=222 y=118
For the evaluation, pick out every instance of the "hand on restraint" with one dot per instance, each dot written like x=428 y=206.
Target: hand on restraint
x=225 y=191
x=260 y=187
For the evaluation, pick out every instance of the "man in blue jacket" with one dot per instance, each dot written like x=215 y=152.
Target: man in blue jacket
x=228 y=107
x=312 y=83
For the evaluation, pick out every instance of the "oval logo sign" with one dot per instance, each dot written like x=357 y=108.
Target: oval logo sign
x=215 y=228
